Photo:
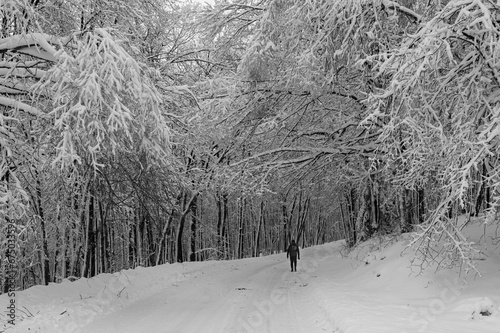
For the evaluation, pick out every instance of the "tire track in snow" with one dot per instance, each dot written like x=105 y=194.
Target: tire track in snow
x=203 y=302
x=283 y=303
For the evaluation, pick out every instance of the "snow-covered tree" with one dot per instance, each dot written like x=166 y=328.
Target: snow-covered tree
x=76 y=95
x=398 y=97
x=440 y=115
x=297 y=99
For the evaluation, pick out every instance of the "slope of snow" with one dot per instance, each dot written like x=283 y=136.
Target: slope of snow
x=370 y=290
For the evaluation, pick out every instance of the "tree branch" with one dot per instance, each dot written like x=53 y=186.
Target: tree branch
x=408 y=12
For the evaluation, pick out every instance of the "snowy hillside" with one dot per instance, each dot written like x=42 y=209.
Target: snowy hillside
x=371 y=290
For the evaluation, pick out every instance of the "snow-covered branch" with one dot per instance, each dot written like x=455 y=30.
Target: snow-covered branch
x=9 y=102
x=35 y=44
x=402 y=9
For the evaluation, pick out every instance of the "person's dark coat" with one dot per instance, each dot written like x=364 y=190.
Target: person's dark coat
x=293 y=253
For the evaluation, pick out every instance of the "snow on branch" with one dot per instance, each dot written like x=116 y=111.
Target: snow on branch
x=402 y=9
x=21 y=72
x=9 y=102
x=240 y=6
x=35 y=44
x=15 y=74
x=311 y=153
x=103 y=99
x=444 y=113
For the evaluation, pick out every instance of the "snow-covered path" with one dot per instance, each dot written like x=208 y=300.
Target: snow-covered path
x=251 y=295
x=371 y=290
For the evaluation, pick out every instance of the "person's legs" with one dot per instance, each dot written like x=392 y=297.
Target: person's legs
x=291 y=263
x=294 y=268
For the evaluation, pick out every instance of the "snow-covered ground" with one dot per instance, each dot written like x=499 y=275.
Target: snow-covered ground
x=371 y=290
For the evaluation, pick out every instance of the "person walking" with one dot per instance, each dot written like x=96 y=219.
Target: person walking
x=293 y=253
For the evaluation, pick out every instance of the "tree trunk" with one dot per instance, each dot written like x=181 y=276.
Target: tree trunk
x=45 y=254
x=284 y=211
x=344 y=222
x=161 y=246
x=221 y=225
x=45 y=248
x=241 y=228
x=351 y=216
x=186 y=207
x=257 y=232
x=64 y=258
x=302 y=217
x=360 y=221
x=421 y=205
x=403 y=226
x=150 y=241
x=193 y=228
x=86 y=231
x=374 y=205
x=290 y=218
x=179 y=232
x=139 y=236
x=480 y=199
x=105 y=246
x=225 y=227
x=89 y=270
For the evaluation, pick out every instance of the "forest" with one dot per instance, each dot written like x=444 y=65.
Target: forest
x=143 y=132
